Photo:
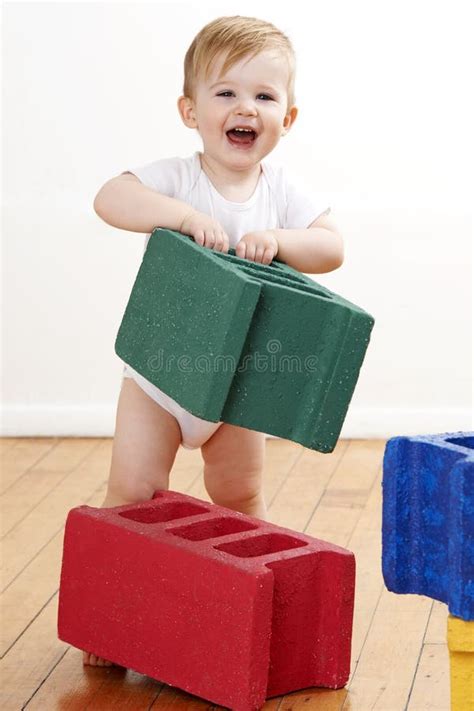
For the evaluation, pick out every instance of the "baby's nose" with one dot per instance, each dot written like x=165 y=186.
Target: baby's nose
x=246 y=106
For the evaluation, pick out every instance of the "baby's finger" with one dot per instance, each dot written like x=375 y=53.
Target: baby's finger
x=259 y=254
x=268 y=255
x=250 y=252
x=209 y=239
x=199 y=237
x=219 y=242
x=240 y=249
x=225 y=243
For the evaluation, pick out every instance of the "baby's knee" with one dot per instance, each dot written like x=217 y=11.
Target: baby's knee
x=246 y=501
x=129 y=492
x=242 y=487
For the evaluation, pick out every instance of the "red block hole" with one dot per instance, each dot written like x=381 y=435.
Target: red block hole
x=261 y=545
x=163 y=512
x=212 y=528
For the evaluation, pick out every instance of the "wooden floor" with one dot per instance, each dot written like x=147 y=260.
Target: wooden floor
x=399 y=656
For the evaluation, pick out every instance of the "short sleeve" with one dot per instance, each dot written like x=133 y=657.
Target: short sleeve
x=165 y=175
x=302 y=207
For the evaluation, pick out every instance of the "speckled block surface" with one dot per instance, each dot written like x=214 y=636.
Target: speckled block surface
x=428 y=518
x=217 y=603
x=461 y=658
x=258 y=346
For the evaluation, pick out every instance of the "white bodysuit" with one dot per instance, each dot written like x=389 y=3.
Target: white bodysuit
x=278 y=202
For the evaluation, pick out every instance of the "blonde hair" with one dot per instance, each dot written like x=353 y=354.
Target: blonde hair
x=239 y=36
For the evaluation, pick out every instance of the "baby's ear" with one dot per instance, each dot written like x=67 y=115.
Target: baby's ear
x=187 y=112
x=289 y=120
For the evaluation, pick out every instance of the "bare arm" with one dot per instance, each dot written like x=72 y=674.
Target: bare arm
x=315 y=250
x=126 y=203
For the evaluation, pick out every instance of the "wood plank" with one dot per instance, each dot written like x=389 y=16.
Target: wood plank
x=24 y=541
x=431 y=689
x=314 y=700
x=35 y=653
x=366 y=545
x=7 y=443
x=389 y=657
x=37 y=482
x=36 y=585
x=74 y=687
x=437 y=625
x=24 y=454
x=346 y=493
x=293 y=497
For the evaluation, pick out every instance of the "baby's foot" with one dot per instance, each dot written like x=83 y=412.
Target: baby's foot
x=93 y=661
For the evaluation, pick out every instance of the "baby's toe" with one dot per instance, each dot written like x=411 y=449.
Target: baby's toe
x=101 y=662
x=94 y=661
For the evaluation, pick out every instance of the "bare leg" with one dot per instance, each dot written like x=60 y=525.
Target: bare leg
x=233 y=469
x=146 y=440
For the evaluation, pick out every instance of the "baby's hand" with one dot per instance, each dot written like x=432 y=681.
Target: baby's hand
x=261 y=246
x=205 y=231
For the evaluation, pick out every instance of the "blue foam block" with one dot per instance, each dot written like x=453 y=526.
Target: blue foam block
x=428 y=518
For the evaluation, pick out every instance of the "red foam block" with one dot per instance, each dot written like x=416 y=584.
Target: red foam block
x=222 y=605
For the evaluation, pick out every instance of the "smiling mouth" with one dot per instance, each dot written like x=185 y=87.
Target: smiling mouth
x=241 y=138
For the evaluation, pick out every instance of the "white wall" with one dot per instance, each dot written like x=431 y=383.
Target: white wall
x=90 y=90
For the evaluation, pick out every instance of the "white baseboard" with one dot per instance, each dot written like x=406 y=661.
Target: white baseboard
x=99 y=421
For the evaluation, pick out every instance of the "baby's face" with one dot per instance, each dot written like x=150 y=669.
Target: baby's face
x=253 y=94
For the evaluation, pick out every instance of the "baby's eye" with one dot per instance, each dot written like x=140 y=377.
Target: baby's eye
x=223 y=93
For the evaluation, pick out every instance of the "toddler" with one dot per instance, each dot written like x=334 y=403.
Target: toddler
x=238 y=93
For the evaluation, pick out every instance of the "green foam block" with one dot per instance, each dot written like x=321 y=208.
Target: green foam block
x=258 y=346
